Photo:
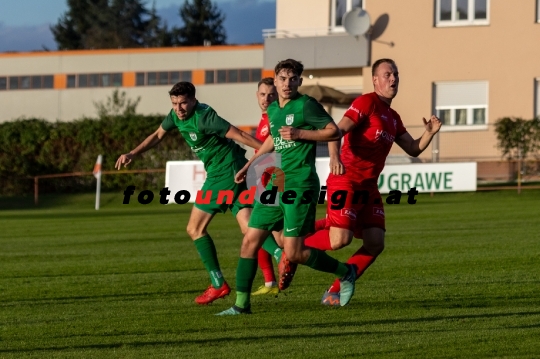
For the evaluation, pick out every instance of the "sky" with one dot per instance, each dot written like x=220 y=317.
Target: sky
x=24 y=24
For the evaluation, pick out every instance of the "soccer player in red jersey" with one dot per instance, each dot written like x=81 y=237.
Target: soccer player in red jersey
x=370 y=127
x=266 y=94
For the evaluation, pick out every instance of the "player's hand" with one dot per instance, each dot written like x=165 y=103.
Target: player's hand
x=336 y=167
x=433 y=125
x=124 y=159
x=241 y=175
x=289 y=133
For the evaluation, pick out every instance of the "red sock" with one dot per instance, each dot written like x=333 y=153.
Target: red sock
x=319 y=240
x=362 y=259
x=320 y=224
x=265 y=263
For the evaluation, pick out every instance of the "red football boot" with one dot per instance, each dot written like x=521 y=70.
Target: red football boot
x=211 y=294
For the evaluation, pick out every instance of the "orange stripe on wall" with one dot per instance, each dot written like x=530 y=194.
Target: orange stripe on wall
x=60 y=81
x=267 y=73
x=128 y=79
x=198 y=77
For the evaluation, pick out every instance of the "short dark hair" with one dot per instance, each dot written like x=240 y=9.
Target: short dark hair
x=183 y=88
x=267 y=81
x=294 y=66
x=379 y=62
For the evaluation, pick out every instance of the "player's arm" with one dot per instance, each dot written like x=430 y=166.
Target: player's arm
x=336 y=167
x=144 y=146
x=415 y=147
x=329 y=133
x=267 y=147
x=240 y=136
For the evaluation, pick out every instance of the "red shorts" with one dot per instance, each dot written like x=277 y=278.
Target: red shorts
x=361 y=208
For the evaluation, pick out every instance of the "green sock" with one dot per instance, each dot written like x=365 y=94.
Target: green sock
x=321 y=261
x=271 y=247
x=207 y=251
x=245 y=274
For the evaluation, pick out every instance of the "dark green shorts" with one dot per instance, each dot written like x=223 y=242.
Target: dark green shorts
x=225 y=193
x=296 y=219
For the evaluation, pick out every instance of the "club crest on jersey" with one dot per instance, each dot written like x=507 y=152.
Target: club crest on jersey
x=289 y=119
x=348 y=212
x=193 y=136
x=264 y=131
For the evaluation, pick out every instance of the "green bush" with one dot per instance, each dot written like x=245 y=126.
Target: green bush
x=36 y=147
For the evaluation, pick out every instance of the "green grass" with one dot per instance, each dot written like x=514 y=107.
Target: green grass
x=459 y=279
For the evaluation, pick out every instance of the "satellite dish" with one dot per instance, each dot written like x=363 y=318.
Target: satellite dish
x=356 y=22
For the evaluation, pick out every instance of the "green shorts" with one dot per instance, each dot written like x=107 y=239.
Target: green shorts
x=296 y=219
x=225 y=193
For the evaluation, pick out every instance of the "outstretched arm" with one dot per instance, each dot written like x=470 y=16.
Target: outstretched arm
x=267 y=147
x=415 y=147
x=242 y=137
x=144 y=146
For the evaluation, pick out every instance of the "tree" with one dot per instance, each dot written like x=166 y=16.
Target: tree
x=203 y=21
x=117 y=104
x=518 y=138
x=105 y=24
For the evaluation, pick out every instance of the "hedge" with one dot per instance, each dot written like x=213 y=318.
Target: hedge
x=35 y=147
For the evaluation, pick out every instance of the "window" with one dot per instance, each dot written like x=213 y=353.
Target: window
x=209 y=76
x=340 y=8
x=461 y=105
x=537 y=10
x=462 y=12
x=3 y=83
x=13 y=83
x=83 y=80
x=71 y=81
x=36 y=82
x=139 y=79
x=117 y=79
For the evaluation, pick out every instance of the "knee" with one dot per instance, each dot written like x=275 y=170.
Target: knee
x=374 y=247
x=194 y=232
x=295 y=256
x=341 y=239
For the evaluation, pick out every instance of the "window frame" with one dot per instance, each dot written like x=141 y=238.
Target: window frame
x=469 y=126
x=339 y=28
x=471 y=21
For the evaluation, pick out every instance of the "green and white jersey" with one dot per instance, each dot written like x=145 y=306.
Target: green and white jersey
x=205 y=131
x=297 y=157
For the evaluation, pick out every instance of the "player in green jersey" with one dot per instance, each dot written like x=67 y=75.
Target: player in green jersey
x=210 y=137
x=297 y=122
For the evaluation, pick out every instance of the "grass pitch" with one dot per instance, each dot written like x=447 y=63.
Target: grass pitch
x=460 y=278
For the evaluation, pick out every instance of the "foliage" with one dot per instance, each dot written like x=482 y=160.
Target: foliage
x=103 y=24
x=37 y=147
x=518 y=138
x=203 y=21
x=117 y=104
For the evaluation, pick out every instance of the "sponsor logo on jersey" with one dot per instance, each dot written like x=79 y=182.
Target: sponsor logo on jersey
x=348 y=212
x=384 y=135
x=280 y=143
x=378 y=212
x=193 y=136
x=384 y=117
x=289 y=119
x=352 y=108
x=264 y=130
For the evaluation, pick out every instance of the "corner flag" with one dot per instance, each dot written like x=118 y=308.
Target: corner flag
x=97 y=174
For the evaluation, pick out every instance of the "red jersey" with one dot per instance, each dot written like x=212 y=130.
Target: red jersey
x=366 y=147
x=263 y=130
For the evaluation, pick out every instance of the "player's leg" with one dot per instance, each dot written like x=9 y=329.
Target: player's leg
x=197 y=230
x=342 y=208
x=299 y=219
x=263 y=220
x=371 y=228
x=264 y=258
